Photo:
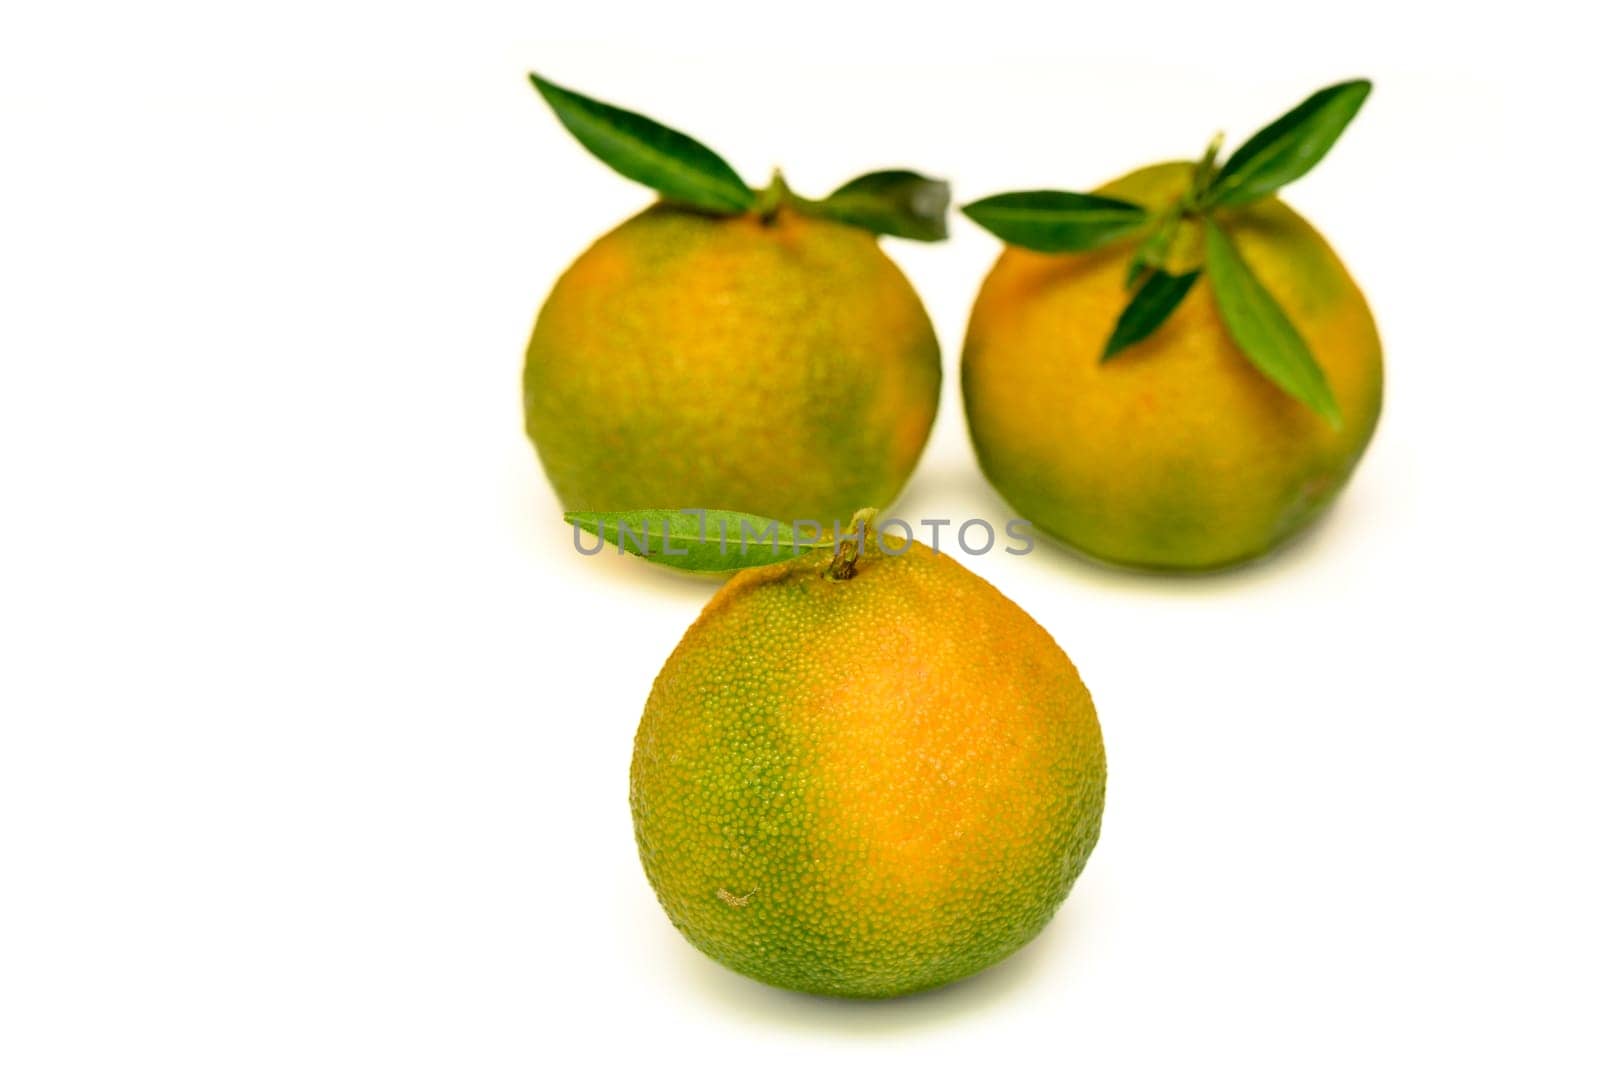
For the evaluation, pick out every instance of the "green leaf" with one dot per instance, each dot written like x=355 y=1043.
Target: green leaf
x=701 y=541
x=1151 y=305
x=1056 y=221
x=1261 y=328
x=1289 y=147
x=677 y=166
x=898 y=203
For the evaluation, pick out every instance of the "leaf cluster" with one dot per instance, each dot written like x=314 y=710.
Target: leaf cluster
x=1281 y=152
x=899 y=203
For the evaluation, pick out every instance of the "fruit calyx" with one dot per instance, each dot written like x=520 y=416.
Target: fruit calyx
x=1281 y=152
x=899 y=203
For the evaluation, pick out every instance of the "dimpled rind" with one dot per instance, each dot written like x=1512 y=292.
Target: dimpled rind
x=865 y=787
x=782 y=367
x=1178 y=453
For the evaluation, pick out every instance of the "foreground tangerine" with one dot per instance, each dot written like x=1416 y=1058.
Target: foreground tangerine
x=868 y=786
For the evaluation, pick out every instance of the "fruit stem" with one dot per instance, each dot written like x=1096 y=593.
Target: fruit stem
x=850 y=547
x=774 y=196
x=1152 y=254
x=1204 y=171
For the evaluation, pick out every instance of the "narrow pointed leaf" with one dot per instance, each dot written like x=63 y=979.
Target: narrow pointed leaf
x=1289 y=147
x=677 y=166
x=1150 y=306
x=1261 y=328
x=898 y=203
x=701 y=541
x=1056 y=221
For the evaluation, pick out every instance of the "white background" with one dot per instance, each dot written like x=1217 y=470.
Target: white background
x=314 y=732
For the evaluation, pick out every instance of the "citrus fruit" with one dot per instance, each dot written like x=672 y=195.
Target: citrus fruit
x=731 y=349
x=1175 y=371
x=777 y=365
x=1178 y=453
x=866 y=786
